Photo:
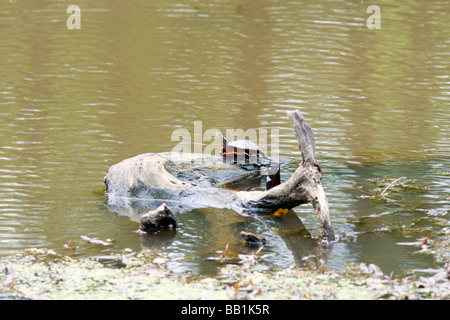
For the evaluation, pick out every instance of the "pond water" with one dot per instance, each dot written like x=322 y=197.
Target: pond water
x=74 y=102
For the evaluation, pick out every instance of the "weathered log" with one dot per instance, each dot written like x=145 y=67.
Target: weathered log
x=302 y=187
x=194 y=180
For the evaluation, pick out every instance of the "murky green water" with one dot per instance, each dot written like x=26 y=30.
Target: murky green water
x=74 y=102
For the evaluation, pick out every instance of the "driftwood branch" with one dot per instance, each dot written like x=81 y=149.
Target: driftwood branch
x=305 y=137
x=304 y=186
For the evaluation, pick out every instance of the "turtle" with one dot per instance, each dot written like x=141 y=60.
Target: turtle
x=243 y=152
x=239 y=150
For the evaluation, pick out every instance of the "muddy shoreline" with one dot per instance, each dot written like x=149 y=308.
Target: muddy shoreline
x=42 y=274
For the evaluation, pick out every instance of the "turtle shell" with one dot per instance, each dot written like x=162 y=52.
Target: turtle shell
x=243 y=152
x=245 y=145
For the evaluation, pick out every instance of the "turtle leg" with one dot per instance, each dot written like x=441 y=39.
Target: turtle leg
x=224 y=152
x=228 y=152
x=226 y=155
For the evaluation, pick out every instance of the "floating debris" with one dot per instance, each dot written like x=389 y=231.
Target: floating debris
x=87 y=279
x=385 y=187
x=107 y=242
x=437 y=212
x=382 y=228
x=280 y=212
x=392 y=184
x=159 y=260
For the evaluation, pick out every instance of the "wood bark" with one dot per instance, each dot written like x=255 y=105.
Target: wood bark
x=302 y=187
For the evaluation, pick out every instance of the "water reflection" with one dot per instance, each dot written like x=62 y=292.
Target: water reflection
x=74 y=102
x=208 y=238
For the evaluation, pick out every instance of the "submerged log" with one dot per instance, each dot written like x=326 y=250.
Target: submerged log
x=194 y=180
x=253 y=239
x=156 y=220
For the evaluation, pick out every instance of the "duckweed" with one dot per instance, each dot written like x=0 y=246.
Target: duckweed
x=45 y=274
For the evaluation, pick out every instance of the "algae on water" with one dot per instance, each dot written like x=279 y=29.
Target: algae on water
x=45 y=274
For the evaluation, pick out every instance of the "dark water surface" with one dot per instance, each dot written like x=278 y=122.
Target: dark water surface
x=74 y=102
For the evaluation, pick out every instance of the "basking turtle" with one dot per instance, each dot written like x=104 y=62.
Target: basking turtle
x=243 y=151
x=246 y=153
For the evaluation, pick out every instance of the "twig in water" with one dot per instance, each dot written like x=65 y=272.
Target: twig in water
x=391 y=184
